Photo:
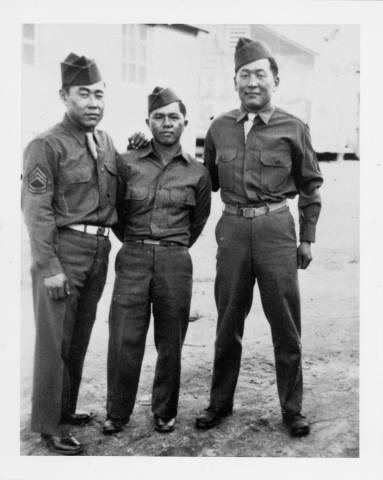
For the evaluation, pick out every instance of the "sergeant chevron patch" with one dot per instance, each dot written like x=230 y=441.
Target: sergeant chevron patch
x=37 y=180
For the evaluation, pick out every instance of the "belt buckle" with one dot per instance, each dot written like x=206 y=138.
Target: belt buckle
x=101 y=231
x=247 y=212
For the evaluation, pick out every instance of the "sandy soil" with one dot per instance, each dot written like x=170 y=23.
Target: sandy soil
x=330 y=304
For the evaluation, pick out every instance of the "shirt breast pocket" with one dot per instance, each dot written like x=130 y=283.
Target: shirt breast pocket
x=275 y=169
x=182 y=201
x=226 y=167
x=183 y=196
x=76 y=191
x=136 y=193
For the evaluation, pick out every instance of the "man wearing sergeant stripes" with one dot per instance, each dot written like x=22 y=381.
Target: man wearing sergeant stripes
x=68 y=200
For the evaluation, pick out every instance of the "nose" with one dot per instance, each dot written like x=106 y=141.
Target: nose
x=93 y=102
x=253 y=80
x=167 y=122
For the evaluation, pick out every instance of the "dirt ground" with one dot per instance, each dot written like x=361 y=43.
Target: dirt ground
x=330 y=307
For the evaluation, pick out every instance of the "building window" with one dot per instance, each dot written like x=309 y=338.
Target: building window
x=134 y=43
x=234 y=32
x=29 y=44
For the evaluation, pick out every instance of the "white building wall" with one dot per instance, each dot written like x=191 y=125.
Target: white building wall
x=172 y=60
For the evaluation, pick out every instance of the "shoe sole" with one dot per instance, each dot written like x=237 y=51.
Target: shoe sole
x=162 y=430
x=110 y=432
x=80 y=423
x=301 y=432
x=200 y=425
x=64 y=452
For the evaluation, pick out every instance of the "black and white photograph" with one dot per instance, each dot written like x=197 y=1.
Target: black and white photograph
x=191 y=221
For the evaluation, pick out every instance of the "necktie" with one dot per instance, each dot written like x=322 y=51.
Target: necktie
x=249 y=123
x=91 y=144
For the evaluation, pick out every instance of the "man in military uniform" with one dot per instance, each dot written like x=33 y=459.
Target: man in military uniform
x=259 y=156
x=163 y=204
x=68 y=200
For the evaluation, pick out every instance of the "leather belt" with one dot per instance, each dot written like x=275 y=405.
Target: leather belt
x=148 y=241
x=251 y=212
x=92 y=229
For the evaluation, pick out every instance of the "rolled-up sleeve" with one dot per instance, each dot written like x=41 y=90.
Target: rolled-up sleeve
x=308 y=179
x=37 y=195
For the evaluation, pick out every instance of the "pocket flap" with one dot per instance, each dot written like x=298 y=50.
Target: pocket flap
x=111 y=167
x=184 y=195
x=276 y=158
x=136 y=193
x=226 y=154
x=78 y=175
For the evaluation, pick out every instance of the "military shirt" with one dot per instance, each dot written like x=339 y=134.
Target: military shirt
x=276 y=161
x=64 y=185
x=162 y=202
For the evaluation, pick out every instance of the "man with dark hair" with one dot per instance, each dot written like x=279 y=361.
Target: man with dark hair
x=68 y=200
x=163 y=204
x=259 y=156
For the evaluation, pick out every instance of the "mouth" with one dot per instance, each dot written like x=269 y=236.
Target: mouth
x=92 y=116
x=167 y=134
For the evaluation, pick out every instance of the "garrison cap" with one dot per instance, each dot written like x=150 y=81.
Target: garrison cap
x=247 y=51
x=77 y=70
x=160 y=97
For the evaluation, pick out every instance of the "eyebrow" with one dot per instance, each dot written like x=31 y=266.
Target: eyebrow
x=88 y=90
x=258 y=70
x=165 y=114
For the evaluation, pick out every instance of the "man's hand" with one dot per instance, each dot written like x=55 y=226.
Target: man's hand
x=304 y=256
x=137 y=141
x=57 y=286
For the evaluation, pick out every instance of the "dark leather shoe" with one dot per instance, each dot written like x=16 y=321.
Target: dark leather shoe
x=112 y=425
x=164 y=426
x=67 y=445
x=212 y=417
x=297 y=424
x=80 y=418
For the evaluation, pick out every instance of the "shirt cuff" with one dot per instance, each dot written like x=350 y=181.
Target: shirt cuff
x=307 y=233
x=51 y=268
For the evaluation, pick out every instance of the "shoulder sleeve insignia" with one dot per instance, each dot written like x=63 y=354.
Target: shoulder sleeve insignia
x=37 y=180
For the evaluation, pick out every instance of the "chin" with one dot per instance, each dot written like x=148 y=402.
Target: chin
x=166 y=142
x=254 y=105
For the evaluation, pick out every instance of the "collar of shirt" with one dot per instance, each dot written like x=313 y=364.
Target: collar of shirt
x=150 y=151
x=264 y=114
x=78 y=132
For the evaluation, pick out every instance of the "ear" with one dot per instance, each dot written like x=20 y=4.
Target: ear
x=235 y=83
x=186 y=122
x=63 y=96
x=147 y=122
x=276 y=82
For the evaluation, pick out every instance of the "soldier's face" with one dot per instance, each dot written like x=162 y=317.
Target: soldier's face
x=255 y=84
x=85 y=104
x=167 y=124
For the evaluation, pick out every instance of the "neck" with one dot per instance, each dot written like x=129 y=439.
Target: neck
x=166 y=152
x=257 y=110
x=78 y=125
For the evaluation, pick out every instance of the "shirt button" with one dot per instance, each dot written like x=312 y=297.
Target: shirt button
x=102 y=169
